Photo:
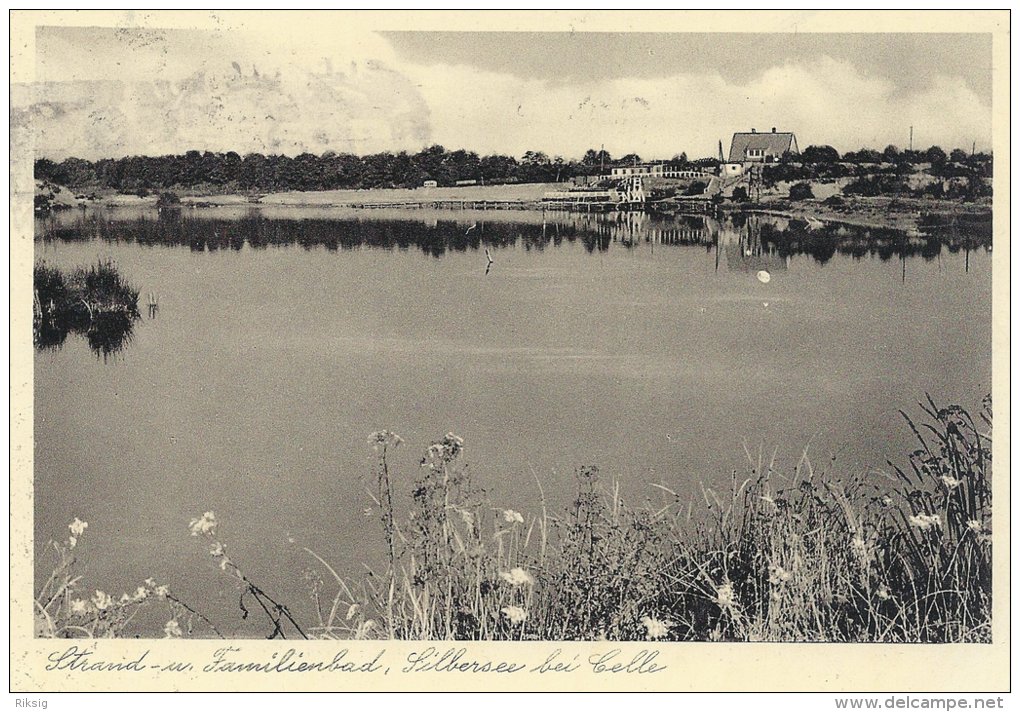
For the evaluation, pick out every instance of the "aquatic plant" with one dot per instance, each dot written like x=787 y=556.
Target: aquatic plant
x=93 y=301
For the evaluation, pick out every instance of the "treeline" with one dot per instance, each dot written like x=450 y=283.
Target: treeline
x=330 y=171
x=256 y=172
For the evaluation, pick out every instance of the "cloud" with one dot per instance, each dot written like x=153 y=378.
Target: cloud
x=175 y=90
x=823 y=101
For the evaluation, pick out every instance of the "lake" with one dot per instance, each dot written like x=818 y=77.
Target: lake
x=650 y=346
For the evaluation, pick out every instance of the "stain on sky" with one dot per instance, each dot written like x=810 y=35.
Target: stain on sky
x=906 y=60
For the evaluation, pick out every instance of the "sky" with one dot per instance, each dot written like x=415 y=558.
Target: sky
x=109 y=92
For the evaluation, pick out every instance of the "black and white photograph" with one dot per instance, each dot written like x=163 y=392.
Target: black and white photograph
x=375 y=332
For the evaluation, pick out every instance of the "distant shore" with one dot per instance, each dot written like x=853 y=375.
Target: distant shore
x=878 y=212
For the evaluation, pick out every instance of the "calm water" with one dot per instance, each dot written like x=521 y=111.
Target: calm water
x=646 y=345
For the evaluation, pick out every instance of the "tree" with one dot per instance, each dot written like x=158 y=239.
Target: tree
x=958 y=155
x=819 y=154
x=891 y=153
x=801 y=191
x=739 y=194
x=935 y=155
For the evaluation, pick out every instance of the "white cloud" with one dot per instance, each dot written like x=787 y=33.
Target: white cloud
x=823 y=102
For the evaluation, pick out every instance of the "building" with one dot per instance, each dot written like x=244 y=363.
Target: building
x=430 y=184
x=656 y=170
x=757 y=147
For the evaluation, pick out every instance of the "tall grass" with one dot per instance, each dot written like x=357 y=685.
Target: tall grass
x=804 y=555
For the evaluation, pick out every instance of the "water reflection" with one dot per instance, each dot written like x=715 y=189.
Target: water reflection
x=747 y=241
x=106 y=334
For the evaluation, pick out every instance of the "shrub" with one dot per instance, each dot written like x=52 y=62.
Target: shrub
x=739 y=194
x=801 y=191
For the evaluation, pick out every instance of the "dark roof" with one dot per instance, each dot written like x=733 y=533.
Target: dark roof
x=773 y=143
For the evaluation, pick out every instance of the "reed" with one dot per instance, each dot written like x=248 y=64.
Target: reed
x=803 y=555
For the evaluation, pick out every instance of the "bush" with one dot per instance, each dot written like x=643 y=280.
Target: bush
x=168 y=200
x=801 y=191
x=739 y=194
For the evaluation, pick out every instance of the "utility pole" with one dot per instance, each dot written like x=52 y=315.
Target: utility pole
x=911 y=138
x=973 y=147
x=602 y=157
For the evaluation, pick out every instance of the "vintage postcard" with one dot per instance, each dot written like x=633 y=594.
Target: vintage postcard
x=510 y=351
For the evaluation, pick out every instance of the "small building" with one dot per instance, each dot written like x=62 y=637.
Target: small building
x=430 y=184
x=656 y=170
x=466 y=182
x=754 y=147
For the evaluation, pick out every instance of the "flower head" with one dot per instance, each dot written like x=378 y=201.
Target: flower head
x=517 y=577
x=383 y=439
x=950 y=482
x=655 y=628
x=443 y=451
x=511 y=516
x=724 y=596
x=205 y=526
x=172 y=629
x=78 y=527
x=883 y=593
x=777 y=574
x=925 y=521
x=102 y=600
x=516 y=614
x=78 y=606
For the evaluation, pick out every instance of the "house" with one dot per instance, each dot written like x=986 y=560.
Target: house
x=430 y=184
x=757 y=147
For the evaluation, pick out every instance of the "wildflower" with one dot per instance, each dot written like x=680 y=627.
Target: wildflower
x=517 y=577
x=102 y=600
x=467 y=517
x=78 y=606
x=516 y=614
x=172 y=629
x=860 y=549
x=777 y=574
x=886 y=501
x=72 y=541
x=162 y=591
x=141 y=593
x=950 y=482
x=205 y=526
x=353 y=610
x=511 y=516
x=974 y=525
x=655 y=628
x=124 y=598
x=883 y=593
x=216 y=550
x=383 y=439
x=78 y=527
x=925 y=521
x=724 y=596
x=445 y=450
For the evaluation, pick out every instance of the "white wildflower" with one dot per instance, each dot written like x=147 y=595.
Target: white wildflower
x=141 y=593
x=172 y=629
x=517 y=577
x=162 y=591
x=655 y=628
x=217 y=550
x=516 y=614
x=353 y=610
x=883 y=593
x=467 y=517
x=724 y=596
x=384 y=438
x=78 y=606
x=102 y=600
x=205 y=526
x=974 y=525
x=925 y=521
x=78 y=527
x=778 y=575
x=511 y=516
x=950 y=482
